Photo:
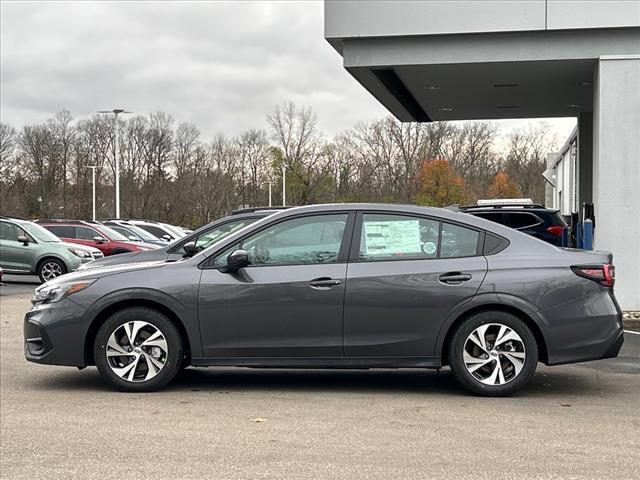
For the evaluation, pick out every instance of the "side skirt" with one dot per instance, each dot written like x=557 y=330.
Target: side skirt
x=319 y=362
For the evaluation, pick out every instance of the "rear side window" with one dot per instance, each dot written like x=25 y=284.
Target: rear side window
x=65 y=231
x=522 y=220
x=399 y=237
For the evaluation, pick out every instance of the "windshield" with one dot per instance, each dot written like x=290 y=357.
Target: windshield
x=112 y=234
x=40 y=233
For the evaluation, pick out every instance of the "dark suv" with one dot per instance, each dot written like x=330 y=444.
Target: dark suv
x=533 y=219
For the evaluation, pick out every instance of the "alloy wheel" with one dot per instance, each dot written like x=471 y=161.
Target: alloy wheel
x=136 y=351
x=51 y=270
x=494 y=354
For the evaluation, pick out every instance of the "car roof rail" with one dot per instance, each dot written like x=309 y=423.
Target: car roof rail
x=61 y=220
x=130 y=219
x=501 y=205
x=11 y=217
x=256 y=209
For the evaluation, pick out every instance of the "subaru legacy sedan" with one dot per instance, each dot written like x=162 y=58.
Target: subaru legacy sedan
x=340 y=286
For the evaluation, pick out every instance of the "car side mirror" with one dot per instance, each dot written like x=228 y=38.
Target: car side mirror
x=190 y=249
x=236 y=260
x=98 y=239
x=24 y=240
x=166 y=237
x=132 y=238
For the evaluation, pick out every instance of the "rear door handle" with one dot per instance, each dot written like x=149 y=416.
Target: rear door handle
x=454 y=278
x=324 y=283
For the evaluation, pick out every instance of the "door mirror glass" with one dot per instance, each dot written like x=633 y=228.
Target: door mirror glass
x=190 y=249
x=237 y=260
x=23 y=239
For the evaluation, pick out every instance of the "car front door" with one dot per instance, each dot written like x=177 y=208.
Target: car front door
x=288 y=302
x=15 y=255
x=405 y=275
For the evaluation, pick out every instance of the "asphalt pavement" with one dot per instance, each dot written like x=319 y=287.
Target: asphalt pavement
x=573 y=421
x=18 y=285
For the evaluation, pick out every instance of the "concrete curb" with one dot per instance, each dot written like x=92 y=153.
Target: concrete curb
x=631 y=319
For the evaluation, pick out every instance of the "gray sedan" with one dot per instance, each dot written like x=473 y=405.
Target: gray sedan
x=342 y=286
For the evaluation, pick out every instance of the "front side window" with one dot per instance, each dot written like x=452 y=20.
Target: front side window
x=306 y=240
x=85 y=233
x=157 y=231
x=8 y=231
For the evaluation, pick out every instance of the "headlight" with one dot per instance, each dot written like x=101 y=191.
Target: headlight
x=80 y=253
x=55 y=293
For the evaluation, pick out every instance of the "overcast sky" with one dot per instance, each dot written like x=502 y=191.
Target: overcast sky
x=222 y=66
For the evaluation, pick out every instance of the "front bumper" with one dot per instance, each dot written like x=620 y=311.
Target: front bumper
x=54 y=334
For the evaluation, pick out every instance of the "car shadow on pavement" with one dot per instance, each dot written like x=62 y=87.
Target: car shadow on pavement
x=432 y=382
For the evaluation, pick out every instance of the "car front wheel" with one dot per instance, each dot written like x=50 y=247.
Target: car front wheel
x=493 y=354
x=50 y=268
x=138 y=350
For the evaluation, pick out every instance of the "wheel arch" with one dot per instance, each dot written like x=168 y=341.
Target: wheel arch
x=50 y=256
x=502 y=307
x=117 y=306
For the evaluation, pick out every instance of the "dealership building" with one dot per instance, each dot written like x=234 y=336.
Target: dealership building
x=487 y=59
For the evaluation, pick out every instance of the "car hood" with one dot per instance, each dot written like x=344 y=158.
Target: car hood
x=78 y=246
x=110 y=260
x=99 y=272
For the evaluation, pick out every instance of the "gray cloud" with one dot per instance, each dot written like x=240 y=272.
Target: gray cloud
x=221 y=65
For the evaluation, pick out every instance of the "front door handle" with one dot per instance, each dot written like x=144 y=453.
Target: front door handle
x=454 y=278
x=324 y=283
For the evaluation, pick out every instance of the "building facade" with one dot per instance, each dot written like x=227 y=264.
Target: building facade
x=493 y=59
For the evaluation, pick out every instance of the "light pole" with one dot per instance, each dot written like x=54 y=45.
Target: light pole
x=284 y=184
x=269 y=192
x=116 y=112
x=93 y=187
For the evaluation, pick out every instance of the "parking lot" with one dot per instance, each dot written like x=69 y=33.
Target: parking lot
x=578 y=421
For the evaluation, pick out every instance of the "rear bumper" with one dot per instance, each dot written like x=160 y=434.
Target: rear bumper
x=584 y=330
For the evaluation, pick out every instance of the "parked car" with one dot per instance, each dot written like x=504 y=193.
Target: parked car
x=533 y=219
x=28 y=249
x=163 y=231
x=193 y=243
x=1 y=273
x=93 y=234
x=134 y=233
x=346 y=285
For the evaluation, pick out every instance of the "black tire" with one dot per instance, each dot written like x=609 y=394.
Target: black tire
x=172 y=362
x=46 y=266
x=469 y=380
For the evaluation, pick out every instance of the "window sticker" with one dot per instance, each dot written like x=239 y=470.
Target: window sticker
x=395 y=237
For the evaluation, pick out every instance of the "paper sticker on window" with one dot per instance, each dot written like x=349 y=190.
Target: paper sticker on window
x=396 y=237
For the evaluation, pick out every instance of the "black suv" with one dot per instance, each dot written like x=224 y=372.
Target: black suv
x=533 y=219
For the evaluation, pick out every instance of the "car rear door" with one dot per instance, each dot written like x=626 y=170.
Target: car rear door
x=289 y=301
x=405 y=274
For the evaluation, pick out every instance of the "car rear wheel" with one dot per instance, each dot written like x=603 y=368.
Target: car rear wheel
x=138 y=350
x=50 y=268
x=493 y=354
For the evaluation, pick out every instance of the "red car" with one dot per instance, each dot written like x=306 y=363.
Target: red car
x=107 y=240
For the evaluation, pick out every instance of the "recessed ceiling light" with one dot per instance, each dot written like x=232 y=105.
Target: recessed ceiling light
x=506 y=85
x=574 y=105
x=433 y=87
x=508 y=106
x=445 y=109
x=585 y=83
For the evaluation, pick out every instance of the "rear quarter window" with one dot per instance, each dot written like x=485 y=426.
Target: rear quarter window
x=522 y=220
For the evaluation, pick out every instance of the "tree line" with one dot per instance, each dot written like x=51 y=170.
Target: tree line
x=170 y=173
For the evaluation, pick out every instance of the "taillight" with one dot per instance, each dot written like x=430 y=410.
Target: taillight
x=603 y=274
x=556 y=230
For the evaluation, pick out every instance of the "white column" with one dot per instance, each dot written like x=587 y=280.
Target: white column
x=616 y=170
